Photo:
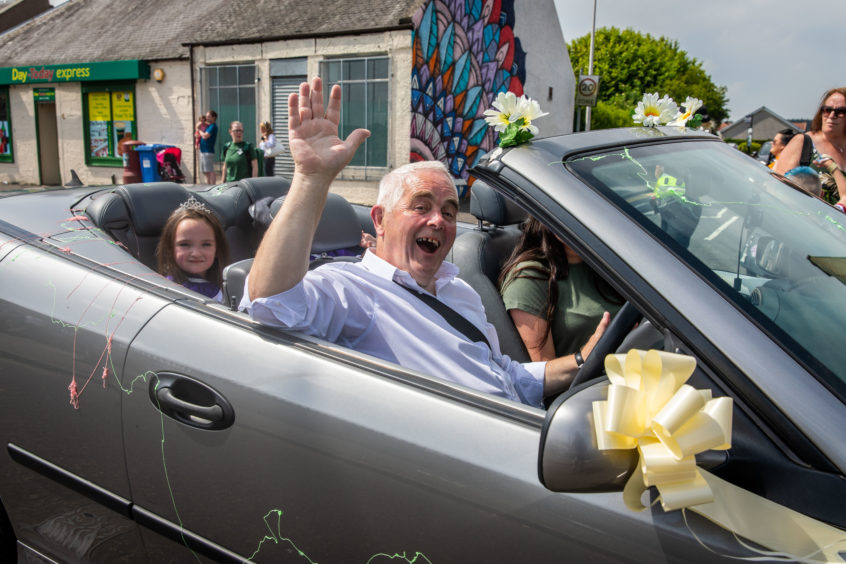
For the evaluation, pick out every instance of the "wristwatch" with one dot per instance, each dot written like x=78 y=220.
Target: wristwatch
x=579 y=359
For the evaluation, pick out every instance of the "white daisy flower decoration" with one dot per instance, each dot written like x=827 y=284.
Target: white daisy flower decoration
x=512 y=118
x=690 y=106
x=652 y=111
x=528 y=110
x=505 y=107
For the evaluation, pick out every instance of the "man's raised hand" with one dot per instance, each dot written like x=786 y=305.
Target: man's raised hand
x=313 y=132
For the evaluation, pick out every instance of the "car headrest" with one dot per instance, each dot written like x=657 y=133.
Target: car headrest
x=229 y=203
x=486 y=204
x=150 y=205
x=339 y=227
x=108 y=211
x=264 y=186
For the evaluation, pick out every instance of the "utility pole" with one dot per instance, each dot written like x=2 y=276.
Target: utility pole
x=590 y=63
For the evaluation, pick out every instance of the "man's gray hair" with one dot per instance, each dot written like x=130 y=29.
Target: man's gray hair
x=392 y=185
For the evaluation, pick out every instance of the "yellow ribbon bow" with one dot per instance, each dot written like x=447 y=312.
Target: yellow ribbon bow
x=650 y=408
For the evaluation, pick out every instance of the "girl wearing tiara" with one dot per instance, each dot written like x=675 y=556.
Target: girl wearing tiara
x=192 y=250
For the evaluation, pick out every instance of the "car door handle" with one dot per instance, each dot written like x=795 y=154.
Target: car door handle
x=190 y=401
x=209 y=413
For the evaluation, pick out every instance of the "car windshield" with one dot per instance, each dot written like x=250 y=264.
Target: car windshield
x=768 y=246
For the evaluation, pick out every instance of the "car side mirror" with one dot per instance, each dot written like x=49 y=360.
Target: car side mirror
x=569 y=460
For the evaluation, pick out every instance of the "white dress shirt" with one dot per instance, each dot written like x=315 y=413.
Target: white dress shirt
x=359 y=305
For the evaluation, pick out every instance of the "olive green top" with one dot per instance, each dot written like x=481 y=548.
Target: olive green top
x=580 y=304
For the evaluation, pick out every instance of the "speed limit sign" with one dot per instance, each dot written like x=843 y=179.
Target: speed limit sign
x=587 y=90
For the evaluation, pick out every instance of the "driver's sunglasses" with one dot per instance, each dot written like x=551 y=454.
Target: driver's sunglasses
x=838 y=112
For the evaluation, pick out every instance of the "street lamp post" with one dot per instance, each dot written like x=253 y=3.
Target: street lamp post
x=748 y=120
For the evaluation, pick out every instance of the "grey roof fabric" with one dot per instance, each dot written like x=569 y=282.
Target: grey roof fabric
x=112 y=30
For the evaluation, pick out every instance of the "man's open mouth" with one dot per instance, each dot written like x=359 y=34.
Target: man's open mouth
x=428 y=245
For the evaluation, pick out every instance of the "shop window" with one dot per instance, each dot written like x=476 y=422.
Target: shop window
x=364 y=81
x=108 y=116
x=230 y=90
x=6 y=155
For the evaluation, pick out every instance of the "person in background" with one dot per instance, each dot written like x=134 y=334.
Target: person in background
x=238 y=156
x=807 y=179
x=192 y=250
x=780 y=141
x=825 y=148
x=199 y=128
x=208 y=137
x=269 y=146
x=555 y=300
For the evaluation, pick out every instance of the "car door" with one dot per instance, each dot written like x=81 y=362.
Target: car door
x=321 y=454
x=328 y=456
x=64 y=324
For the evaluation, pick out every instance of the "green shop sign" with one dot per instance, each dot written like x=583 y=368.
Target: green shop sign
x=42 y=95
x=76 y=72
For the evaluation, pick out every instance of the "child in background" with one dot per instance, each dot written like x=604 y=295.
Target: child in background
x=807 y=179
x=192 y=250
x=202 y=125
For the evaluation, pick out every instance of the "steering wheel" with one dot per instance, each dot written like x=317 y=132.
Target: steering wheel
x=620 y=326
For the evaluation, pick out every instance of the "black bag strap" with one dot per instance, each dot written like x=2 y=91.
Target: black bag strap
x=807 y=147
x=455 y=319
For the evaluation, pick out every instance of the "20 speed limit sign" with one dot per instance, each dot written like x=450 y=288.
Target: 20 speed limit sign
x=587 y=90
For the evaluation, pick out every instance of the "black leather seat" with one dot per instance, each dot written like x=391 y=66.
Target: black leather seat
x=480 y=255
x=264 y=186
x=339 y=228
x=233 y=204
x=135 y=214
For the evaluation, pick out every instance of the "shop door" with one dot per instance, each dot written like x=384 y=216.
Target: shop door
x=48 y=144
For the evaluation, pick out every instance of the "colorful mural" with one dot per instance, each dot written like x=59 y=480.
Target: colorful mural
x=465 y=53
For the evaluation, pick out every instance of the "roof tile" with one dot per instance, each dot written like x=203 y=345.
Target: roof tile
x=109 y=30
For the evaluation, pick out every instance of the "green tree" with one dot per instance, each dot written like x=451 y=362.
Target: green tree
x=630 y=63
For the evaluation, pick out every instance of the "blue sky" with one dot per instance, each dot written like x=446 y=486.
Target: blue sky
x=782 y=54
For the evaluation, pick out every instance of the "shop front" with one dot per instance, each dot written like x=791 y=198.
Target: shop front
x=54 y=118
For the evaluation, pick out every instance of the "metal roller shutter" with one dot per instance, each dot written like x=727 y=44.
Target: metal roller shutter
x=281 y=88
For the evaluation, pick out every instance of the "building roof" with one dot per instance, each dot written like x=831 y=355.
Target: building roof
x=112 y=30
x=739 y=127
x=801 y=124
x=16 y=12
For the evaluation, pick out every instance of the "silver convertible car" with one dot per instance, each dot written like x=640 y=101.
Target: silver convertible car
x=142 y=422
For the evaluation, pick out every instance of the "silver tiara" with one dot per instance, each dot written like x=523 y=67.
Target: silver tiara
x=193 y=203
